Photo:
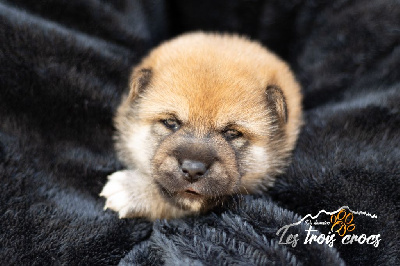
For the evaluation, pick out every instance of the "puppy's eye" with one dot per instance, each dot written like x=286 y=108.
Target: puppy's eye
x=171 y=123
x=231 y=134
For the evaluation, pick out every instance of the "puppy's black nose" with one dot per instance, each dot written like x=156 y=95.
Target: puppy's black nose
x=193 y=170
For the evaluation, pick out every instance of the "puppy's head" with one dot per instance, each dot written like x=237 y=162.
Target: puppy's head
x=208 y=116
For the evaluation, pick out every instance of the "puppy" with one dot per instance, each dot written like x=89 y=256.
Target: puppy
x=207 y=116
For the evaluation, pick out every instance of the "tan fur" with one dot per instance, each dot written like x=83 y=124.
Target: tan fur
x=208 y=82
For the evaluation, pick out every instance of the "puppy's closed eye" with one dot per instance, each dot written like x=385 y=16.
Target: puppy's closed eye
x=231 y=134
x=171 y=123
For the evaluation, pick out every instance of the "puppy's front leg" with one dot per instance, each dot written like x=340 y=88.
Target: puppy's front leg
x=132 y=194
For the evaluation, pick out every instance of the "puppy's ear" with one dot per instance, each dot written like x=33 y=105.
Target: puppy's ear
x=277 y=103
x=139 y=81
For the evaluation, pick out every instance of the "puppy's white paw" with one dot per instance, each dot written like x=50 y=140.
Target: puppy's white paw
x=133 y=194
x=124 y=193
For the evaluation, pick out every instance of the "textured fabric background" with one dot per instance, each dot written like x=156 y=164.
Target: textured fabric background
x=64 y=66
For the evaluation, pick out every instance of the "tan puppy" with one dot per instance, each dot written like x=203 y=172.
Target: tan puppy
x=207 y=116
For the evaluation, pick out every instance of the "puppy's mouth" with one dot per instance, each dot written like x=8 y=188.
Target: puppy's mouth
x=190 y=192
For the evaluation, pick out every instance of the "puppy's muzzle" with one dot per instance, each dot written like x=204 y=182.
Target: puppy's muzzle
x=195 y=159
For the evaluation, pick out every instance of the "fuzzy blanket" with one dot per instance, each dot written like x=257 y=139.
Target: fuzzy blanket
x=64 y=66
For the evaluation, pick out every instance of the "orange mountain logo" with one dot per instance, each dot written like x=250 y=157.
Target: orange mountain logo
x=342 y=227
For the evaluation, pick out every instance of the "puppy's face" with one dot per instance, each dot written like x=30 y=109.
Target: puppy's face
x=203 y=129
